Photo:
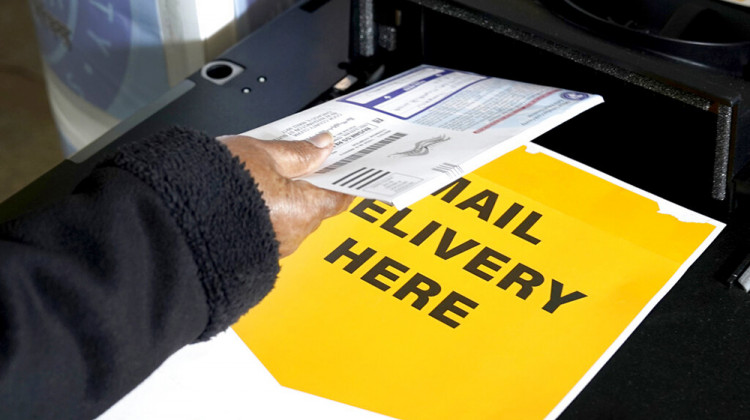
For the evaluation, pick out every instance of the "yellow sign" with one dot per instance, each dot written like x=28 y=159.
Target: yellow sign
x=491 y=299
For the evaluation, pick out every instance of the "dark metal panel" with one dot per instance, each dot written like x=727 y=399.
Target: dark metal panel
x=298 y=54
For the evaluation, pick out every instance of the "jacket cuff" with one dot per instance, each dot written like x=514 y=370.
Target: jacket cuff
x=219 y=208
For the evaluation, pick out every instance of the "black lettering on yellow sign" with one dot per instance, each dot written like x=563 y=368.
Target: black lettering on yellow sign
x=486 y=262
x=485 y=203
x=489 y=258
x=421 y=288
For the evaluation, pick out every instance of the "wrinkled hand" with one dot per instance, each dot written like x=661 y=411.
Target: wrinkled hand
x=297 y=207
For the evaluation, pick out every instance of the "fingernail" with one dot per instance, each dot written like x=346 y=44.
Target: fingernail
x=322 y=140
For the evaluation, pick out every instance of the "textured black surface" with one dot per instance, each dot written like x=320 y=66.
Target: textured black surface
x=536 y=19
x=531 y=23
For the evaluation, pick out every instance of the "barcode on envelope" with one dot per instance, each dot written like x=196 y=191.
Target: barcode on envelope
x=362 y=153
x=360 y=178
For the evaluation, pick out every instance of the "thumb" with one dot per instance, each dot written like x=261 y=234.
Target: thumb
x=298 y=158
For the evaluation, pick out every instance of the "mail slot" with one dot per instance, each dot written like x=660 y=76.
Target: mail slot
x=675 y=119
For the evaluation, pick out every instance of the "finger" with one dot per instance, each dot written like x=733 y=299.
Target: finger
x=298 y=158
x=323 y=203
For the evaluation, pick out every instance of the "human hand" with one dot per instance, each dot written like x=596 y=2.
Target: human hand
x=297 y=207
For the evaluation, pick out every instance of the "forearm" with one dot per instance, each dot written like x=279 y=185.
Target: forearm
x=166 y=244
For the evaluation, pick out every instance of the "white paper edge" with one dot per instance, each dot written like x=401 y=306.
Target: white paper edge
x=604 y=358
x=665 y=207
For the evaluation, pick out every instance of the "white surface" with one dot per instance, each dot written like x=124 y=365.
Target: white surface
x=213 y=16
x=222 y=379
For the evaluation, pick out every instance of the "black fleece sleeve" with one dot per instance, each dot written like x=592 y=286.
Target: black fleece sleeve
x=165 y=244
